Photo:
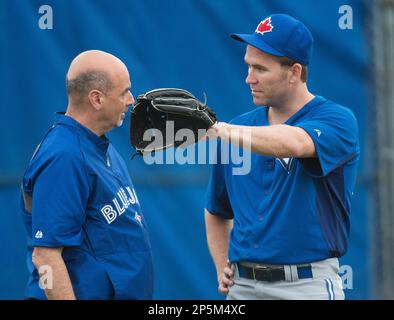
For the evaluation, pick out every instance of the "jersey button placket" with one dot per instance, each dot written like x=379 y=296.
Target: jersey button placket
x=269 y=166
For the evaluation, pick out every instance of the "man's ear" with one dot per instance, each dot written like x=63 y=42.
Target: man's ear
x=96 y=99
x=295 y=72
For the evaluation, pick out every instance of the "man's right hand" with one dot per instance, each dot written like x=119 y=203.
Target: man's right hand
x=226 y=279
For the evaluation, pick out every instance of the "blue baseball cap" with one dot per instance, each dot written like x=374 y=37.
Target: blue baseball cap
x=282 y=36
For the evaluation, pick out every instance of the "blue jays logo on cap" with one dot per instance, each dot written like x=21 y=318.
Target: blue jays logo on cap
x=282 y=36
x=264 y=26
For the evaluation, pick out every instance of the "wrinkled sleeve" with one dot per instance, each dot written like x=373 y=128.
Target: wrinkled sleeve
x=335 y=135
x=60 y=196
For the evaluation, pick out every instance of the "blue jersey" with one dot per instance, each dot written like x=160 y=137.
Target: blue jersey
x=292 y=211
x=83 y=200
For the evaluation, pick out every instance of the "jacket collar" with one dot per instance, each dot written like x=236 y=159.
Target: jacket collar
x=101 y=142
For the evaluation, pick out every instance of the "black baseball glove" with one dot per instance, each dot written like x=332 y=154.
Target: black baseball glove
x=161 y=113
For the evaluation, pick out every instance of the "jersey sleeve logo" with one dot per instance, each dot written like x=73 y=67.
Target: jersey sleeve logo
x=39 y=234
x=318 y=132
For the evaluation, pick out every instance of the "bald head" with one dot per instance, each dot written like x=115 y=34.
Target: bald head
x=92 y=70
x=98 y=88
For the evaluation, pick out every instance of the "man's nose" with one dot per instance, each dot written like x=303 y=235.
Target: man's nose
x=131 y=99
x=250 y=78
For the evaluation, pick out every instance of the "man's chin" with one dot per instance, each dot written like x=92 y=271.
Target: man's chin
x=259 y=102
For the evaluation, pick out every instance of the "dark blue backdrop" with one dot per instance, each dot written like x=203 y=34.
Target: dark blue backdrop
x=173 y=43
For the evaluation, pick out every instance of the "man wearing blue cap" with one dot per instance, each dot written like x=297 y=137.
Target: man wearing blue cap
x=289 y=217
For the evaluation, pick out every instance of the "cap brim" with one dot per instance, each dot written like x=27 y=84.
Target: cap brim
x=256 y=41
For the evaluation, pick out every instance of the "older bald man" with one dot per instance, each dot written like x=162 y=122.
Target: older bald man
x=87 y=237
